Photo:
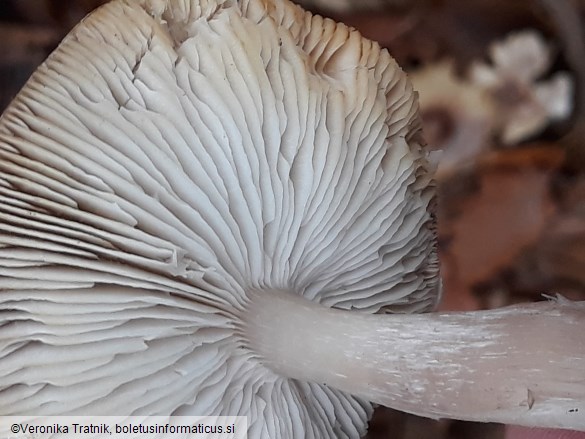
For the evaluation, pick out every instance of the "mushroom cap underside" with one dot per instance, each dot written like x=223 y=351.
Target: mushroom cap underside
x=168 y=158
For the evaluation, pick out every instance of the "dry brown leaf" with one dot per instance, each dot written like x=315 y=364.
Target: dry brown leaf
x=508 y=213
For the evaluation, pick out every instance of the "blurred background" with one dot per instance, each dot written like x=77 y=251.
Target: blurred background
x=502 y=91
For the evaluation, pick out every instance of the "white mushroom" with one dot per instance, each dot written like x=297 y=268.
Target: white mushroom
x=524 y=103
x=457 y=116
x=187 y=189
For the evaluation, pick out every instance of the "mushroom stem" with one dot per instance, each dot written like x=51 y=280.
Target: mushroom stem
x=519 y=365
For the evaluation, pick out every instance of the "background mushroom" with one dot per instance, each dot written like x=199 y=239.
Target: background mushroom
x=526 y=106
x=189 y=188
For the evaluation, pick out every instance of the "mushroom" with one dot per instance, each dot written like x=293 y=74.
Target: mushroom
x=220 y=207
x=457 y=116
x=525 y=106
